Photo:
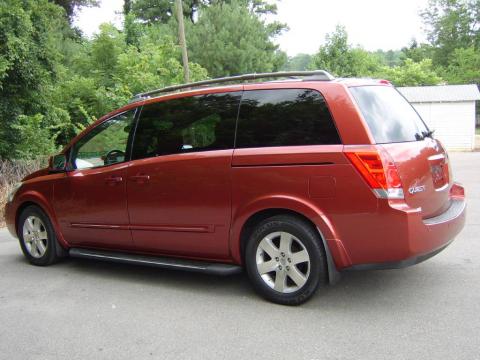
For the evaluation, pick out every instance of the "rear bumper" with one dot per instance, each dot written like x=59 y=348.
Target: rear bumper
x=398 y=264
x=409 y=239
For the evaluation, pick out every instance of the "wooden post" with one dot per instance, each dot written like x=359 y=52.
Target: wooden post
x=183 y=43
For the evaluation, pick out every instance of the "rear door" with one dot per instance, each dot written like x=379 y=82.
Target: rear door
x=179 y=191
x=421 y=161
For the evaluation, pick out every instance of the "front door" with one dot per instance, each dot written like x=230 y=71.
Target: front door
x=178 y=190
x=90 y=202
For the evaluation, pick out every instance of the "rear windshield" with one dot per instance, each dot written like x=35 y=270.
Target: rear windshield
x=389 y=116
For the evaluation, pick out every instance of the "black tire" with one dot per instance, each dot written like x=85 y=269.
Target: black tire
x=54 y=251
x=316 y=276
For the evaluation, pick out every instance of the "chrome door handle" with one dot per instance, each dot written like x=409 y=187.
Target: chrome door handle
x=140 y=178
x=112 y=180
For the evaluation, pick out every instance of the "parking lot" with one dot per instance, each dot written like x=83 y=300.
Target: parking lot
x=81 y=309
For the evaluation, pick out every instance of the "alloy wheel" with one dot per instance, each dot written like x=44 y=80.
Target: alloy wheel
x=35 y=236
x=283 y=262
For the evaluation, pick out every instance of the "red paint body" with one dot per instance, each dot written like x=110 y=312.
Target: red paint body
x=195 y=205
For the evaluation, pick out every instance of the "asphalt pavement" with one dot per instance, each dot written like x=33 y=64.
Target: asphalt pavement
x=82 y=309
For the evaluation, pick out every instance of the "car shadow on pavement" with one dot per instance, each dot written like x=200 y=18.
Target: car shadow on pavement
x=360 y=288
x=153 y=276
x=356 y=290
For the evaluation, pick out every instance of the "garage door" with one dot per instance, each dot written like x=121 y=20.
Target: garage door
x=454 y=123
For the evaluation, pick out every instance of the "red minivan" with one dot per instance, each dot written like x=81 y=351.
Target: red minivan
x=294 y=180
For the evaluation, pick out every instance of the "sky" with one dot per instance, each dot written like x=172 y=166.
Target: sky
x=372 y=24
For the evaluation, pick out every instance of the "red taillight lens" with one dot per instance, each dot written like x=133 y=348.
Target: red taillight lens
x=379 y=171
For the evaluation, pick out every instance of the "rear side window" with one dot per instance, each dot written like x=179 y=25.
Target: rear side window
x=199 y=123
x=389 y=116
x=284 y=117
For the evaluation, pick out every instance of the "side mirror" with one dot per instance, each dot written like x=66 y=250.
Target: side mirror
x=57 y=163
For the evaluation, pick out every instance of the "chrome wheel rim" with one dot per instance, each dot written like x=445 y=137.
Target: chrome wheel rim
x=283 y=262
x=35 y=236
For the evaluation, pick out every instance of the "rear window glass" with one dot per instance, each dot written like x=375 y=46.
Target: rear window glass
x=284 y=117
x=389 y=116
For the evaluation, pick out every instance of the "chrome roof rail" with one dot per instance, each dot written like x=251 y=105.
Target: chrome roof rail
x=316 y=75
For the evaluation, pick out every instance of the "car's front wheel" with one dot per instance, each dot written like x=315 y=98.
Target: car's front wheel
x=285 y=260
x=37 y=237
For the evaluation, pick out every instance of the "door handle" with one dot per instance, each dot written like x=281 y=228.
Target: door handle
x=112 y=180
x=140 y=178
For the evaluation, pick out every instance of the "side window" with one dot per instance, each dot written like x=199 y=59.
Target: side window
x=285 y=117
x=106 y=144
x=190 y=124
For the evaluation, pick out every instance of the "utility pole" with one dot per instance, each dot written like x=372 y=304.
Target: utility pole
x=183 y=43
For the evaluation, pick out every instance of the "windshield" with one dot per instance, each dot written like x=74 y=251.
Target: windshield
x=390 y=117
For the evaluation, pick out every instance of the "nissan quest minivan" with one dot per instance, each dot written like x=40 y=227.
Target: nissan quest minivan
x=294 y=180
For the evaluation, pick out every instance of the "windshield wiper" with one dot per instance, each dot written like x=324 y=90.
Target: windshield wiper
x=428 y=133
x=419 y=137
x=424 y=134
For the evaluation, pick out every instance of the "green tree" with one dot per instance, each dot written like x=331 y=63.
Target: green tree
x=452 y=24
x=464 y=67
x=127 y=7
x=153 y=65
x=390 y=57
x=154 y=11
x=418 y=52
x=229 y=39
x=71 y=6
x=298 y=62
x=108 y=72
x=105 y=49
x=30 y=64
x=341 y=59
x=410 y=73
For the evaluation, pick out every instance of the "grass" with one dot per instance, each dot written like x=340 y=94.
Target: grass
x=12 y=172
x=477 y=130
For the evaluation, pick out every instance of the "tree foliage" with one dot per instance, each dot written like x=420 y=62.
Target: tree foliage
x=341 y=59
x=299 y=62
x=410 y=73
x=452 y=24
x=30 y=31
x=71 y=5
x=464 y=66
x=417 y=52
x=229 y=39
x=155 y=11
x=54 y=84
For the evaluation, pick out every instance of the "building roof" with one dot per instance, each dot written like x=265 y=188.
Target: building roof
x=441 y=93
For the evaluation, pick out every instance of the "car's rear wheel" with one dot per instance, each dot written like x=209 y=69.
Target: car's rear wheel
x=37 y=237
x=285 y=260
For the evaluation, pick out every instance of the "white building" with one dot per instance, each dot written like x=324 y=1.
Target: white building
x=449 y=110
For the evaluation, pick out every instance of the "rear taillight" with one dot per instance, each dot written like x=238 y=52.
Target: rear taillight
x=379 y=171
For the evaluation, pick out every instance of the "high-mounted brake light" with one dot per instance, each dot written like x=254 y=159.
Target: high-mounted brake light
x=379 y=171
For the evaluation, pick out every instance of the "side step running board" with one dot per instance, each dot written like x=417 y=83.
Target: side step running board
x=162 y=262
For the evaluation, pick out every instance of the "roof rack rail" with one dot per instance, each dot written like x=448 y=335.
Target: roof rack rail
x=317 y=75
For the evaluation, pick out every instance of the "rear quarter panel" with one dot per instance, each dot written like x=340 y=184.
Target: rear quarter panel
x=315 y=181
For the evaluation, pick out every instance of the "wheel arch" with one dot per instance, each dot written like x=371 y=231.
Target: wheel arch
x=36 y=199
x=244 y=223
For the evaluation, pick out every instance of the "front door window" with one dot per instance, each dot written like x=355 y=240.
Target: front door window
x=106 y=144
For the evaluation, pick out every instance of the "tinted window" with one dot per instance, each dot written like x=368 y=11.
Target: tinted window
x=285 y=117
x=106 y=144
x=389 y=116
x=199 y=123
